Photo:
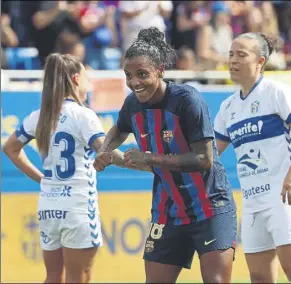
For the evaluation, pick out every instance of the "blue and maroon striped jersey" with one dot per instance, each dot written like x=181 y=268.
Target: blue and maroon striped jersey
x=169 y=127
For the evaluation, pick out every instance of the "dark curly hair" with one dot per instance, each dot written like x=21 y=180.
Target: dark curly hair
x=151 y=43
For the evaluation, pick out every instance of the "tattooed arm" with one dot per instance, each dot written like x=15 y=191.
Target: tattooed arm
x=199 y=159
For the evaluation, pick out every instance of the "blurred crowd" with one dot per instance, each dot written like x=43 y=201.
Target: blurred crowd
x=99 y=32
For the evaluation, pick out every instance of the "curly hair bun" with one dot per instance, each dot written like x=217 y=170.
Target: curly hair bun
x=152 y=36
x=151 y=43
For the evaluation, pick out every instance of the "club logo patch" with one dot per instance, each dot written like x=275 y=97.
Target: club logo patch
x=149 y=247
x=255 y=107
x=168 y=136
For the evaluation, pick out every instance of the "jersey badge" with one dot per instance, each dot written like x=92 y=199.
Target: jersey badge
x=255 y=107
x=168 y=136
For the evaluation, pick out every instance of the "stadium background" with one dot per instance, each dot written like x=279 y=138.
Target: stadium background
x=125 y=196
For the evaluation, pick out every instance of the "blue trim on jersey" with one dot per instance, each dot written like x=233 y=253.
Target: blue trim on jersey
x=255 y=129
x=25 y=143
x=70 y=100
x=288 y=120
x=254 y=86
x=47 y=173
x=94 y=137
x=221 y=137
x=21 y=131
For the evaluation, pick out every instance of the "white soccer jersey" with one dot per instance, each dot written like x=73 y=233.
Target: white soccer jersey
x=69 y=176
x=257 y=126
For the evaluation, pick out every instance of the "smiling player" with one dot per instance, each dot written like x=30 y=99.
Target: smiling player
x=192 y=207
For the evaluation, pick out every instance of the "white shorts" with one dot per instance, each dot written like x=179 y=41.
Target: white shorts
x=60 y=228
x=267 y=229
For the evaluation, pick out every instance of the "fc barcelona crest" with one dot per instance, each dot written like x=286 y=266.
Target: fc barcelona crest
x=168 y=136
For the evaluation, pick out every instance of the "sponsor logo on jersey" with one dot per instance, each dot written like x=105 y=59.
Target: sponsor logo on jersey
x=60 y=191
x=255 y=129
x=248 y=129
x=51 y=214
x=256 y=190
x=251 y=163
x=252 y=159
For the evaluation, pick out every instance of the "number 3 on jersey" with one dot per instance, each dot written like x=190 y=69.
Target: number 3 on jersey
x=66 y=155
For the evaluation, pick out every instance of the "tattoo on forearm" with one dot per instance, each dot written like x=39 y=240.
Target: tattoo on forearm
x=189 y=162
x=199 y=159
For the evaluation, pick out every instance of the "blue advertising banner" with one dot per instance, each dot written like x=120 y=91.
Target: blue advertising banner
x=17 y=105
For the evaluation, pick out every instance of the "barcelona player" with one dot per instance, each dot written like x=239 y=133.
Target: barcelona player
x=192 y=207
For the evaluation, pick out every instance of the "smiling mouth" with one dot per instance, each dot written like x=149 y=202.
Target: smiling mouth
x=233 y=69
x=137 y=91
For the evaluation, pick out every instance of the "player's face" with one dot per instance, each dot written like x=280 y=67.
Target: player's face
x=142 y=77
x=244 y=62
x=82 y=81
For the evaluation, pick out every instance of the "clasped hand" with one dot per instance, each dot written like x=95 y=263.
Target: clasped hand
x=133 y=158
x=102 y=160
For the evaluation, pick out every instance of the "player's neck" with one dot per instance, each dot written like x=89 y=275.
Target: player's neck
x=159 y=94
x=249 y=85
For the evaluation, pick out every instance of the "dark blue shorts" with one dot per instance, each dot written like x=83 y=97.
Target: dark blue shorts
x=176 y=244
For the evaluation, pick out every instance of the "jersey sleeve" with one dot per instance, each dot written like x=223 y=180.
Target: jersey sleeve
x=220 y=125
x=90 y=127
x=283 y=103
x=26 y=131
x=196 y=119
x=124 y=117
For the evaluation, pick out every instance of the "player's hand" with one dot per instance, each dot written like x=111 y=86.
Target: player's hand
x=286 y=191
x=135 y=158
x=102 y=160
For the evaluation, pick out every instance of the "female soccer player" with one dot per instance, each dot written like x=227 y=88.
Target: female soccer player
x=67 y=132
x=193 y=207
x=256 y=120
